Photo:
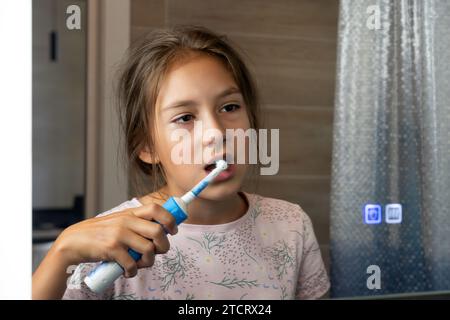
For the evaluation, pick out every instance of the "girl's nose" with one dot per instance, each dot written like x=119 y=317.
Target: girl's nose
x=213 y=132
x=211 y=140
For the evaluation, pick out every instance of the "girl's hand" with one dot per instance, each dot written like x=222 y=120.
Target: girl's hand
x=108 y=238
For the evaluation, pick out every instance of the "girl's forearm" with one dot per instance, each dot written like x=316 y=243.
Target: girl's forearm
x=50 y=279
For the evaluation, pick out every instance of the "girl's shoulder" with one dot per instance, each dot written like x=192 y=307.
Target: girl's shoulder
x=273 y=209
x=132 y=203
x=135 y=202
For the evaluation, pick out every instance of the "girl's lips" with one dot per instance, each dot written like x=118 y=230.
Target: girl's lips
x=225 y=175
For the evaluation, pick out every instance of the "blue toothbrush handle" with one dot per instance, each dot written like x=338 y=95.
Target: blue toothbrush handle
x=135 y=255
x=107 y=272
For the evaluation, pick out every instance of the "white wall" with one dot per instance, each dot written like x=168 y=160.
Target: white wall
x=108 y=39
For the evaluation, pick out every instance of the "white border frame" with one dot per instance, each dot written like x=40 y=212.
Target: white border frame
x=15 y=141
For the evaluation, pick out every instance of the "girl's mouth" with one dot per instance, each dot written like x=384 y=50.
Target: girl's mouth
x=224 y=175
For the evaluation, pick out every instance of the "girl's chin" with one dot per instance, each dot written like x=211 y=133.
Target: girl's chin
x=219 y=191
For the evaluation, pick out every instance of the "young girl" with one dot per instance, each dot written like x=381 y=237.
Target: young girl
x=234 y=245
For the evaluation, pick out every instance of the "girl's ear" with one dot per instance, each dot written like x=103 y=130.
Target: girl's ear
x=146 y=156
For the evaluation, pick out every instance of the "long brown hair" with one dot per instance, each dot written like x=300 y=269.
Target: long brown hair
x=139 y=82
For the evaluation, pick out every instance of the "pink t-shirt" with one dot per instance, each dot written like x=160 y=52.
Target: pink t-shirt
x=270 y=252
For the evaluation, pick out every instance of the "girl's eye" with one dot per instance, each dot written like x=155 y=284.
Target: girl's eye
x=183 y=119
x=230 y=108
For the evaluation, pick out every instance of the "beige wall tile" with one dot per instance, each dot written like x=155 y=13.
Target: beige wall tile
x=292 y=54
x=305 y=138
x=138 y=32
x=293 y=72
x=292 y=44
x=292 y=18
x=148 y=13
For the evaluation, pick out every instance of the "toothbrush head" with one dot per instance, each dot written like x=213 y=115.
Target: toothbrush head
x=221 y=165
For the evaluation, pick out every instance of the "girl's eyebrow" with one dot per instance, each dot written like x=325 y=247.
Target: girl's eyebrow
x=186 y=103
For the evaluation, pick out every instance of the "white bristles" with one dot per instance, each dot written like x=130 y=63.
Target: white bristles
x=221 y=165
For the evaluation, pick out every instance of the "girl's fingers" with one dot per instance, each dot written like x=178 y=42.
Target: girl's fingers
x=156 y=212
x=142 y=245
x=147 y=248
x=149 y=230
x=147 y=260
x=145 y=228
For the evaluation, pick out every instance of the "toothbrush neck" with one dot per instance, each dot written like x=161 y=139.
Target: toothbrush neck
x=188 y=197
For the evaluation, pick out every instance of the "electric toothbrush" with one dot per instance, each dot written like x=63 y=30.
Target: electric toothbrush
x=107 y=272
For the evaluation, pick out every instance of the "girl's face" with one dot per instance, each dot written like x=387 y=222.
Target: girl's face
x=199 y=92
